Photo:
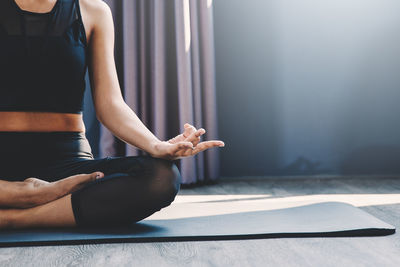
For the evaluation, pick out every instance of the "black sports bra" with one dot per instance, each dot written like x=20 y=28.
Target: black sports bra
x=43 y=58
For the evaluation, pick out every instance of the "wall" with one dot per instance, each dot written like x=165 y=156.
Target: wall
x=308 y=86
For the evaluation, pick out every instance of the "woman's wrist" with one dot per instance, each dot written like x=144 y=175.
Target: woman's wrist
x=153 y=148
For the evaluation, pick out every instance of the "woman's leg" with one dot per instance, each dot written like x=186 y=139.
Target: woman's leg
x=139 y=190
x=120 y=198
x=57 y=213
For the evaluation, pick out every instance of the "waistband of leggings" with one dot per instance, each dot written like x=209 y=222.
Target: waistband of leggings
x=55 y=145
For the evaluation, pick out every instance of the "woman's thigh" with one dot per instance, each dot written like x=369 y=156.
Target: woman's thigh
x=130 y=165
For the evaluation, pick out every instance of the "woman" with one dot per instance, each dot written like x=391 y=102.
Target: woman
x=49 y=177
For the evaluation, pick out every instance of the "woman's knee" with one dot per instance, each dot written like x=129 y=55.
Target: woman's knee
x=167 y=179
x=124 y=198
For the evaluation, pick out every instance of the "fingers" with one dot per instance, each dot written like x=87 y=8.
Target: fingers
x=184 y=149
x=195 y=136
x=207 y=144
x=191 y=144
x=182 y=145
x=75 y=182
x=189 y=129
x=180 y=148
x=82 y=178
x=85 y=178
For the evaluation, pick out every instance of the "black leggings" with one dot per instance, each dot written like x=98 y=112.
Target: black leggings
x=133 y=187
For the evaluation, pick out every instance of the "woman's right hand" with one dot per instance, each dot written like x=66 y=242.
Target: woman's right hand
x=39 y=192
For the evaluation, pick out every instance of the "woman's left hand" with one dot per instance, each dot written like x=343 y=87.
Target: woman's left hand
x=184 y=145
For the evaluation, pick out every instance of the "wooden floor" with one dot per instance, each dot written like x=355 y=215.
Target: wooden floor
x=379 y=196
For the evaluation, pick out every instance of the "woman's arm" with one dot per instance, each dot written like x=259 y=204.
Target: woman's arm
x=34 y=192
x=111 y=109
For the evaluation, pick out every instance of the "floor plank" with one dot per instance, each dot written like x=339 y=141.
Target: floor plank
x=364 y=251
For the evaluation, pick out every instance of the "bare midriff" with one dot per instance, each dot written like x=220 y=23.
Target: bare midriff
x=23 y=121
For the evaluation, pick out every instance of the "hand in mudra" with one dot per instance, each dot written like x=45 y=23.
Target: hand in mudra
x=40 y=192
x=185 y=144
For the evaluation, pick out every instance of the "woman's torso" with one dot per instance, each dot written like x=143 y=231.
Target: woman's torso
x=43 y=62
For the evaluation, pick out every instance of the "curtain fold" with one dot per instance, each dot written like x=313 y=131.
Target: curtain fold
x=165 y=62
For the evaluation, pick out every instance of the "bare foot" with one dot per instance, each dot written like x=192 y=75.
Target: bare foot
x=43 y=192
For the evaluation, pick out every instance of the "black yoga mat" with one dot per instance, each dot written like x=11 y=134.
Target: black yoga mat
x=328 y=219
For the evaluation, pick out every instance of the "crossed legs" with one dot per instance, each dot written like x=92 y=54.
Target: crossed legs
x=133 y=188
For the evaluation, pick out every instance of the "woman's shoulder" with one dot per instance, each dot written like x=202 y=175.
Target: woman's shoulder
x=96 y=14
x=95 y=8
